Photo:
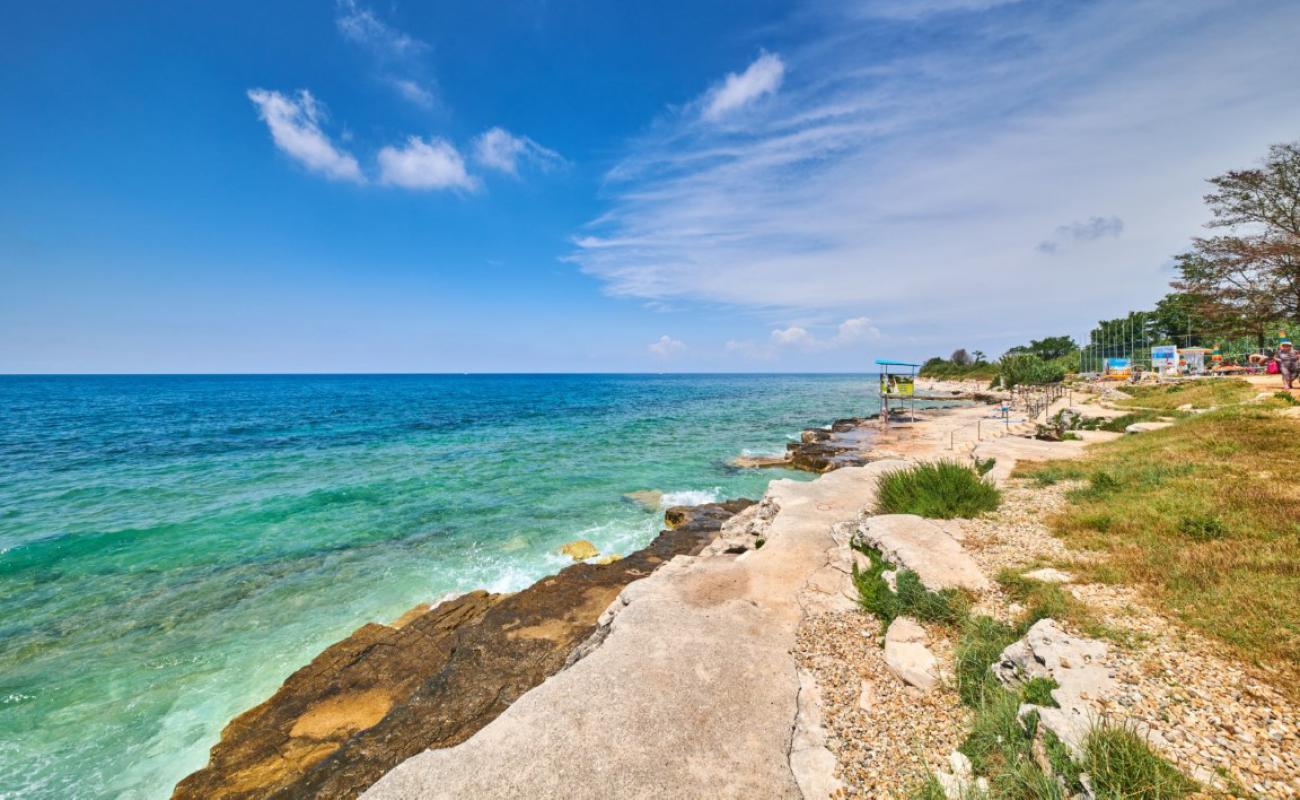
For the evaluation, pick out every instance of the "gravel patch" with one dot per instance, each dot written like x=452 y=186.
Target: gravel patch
x=883 y=733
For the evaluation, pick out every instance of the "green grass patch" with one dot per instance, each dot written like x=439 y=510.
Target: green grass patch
x=912 y=598
x=938 y=490
x=1199 y=393
x=1039 y=692
x=982 y=641
x=1204 y=518
x=1122 y=765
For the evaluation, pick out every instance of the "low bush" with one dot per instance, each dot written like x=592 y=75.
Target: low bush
x=939 y=490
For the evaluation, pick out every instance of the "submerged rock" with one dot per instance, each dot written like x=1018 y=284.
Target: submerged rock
x=649 y=499
x=385 y=693
x=580 y=550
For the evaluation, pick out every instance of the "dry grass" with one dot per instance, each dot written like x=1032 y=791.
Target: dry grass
x=1205 y=517
x=1199 y=393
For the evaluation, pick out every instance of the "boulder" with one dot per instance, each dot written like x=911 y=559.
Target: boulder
x=581 y=550
x=925 y=548
x=907 y=656
x=1075 y=663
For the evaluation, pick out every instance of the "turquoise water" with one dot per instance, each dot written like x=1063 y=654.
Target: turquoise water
x=171 y=548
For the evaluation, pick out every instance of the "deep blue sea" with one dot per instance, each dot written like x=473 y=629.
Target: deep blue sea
x=171 y=548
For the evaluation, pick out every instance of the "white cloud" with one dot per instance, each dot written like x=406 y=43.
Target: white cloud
x=360 y=25
x=414 y=92
x=792 y=335
x=294 y=123
x=421 y=164
x=398 y=58
x=501 y=150
x=849 y=332
x=912 y=185
x=739 y=90
x=666 y=346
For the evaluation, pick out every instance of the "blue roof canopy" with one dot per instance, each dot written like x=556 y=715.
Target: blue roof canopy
x=895 y=363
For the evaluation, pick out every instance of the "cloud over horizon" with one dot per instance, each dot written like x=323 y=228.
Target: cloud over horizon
x=666 y=346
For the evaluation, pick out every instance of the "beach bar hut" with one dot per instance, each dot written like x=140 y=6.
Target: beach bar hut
x=897 y=382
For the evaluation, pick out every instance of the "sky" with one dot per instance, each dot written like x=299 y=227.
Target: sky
x=544 y=186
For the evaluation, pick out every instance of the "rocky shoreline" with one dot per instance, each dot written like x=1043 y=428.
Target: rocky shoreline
x=429 y=680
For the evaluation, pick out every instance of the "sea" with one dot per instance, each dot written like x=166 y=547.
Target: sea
x=173 y=547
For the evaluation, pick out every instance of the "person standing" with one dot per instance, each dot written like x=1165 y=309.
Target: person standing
x=1288 y=361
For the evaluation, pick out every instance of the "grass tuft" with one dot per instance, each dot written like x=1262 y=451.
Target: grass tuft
x=912 y=599
x=982 y=642
x=1039 y=692
x=1122 y=765
x=938 y=490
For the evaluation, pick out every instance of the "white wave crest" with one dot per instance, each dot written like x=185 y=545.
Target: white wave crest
x=691 y=497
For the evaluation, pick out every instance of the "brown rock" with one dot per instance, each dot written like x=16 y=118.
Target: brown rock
x=385 y=693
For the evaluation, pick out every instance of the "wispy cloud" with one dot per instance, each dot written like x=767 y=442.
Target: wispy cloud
x=499 y=149
x=295 y=125
x=917 y=9
x=913 y=184
x=398 y=57
x=425 y=164
x=666 y=346
x=738 y=90
x=1094 y=228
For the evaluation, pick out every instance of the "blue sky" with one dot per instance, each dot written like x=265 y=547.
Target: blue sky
x=543 y=186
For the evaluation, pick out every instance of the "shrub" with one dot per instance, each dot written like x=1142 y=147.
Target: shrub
x=939 y=490
x=1025 y=369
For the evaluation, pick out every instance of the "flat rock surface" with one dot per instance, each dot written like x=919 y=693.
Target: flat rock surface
x=693 y=691
x=907 y=656
x=386 y=693
x=926 y=548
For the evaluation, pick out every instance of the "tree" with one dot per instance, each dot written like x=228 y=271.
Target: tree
x=1248 y=278
x=1047 y=349
x=980 y=358
x=1177 y=319
x=960 y=357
